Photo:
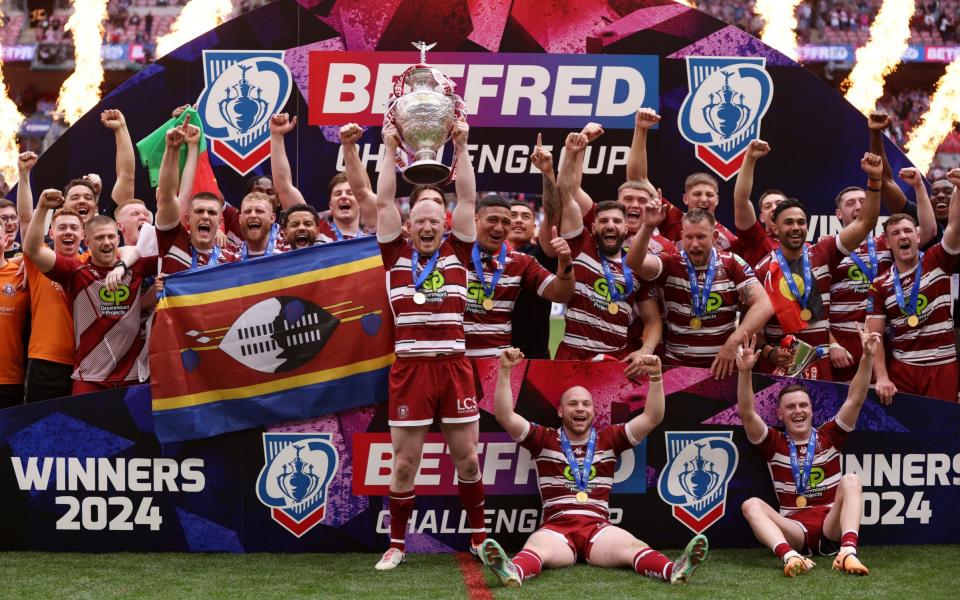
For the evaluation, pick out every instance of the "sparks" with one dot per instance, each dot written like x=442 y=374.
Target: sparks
x=889 y=36
x=81 y=91
x=10 y=119
x=197 y=17
x=938 y=121
x=779 y=25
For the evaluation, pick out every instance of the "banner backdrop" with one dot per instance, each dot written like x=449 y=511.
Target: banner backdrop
x=88 y=474
x=523 y=67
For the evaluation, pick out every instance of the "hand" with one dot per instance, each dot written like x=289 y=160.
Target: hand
x=175 y=138
x=886 y=391
x=592 y=131
x=782 y=357
x=560 y=247
x=114 y=278
x=641 y=363
x=95 y=181
x=51 y=199
x=191 y=133
x=25 y=163
x=282 y=124
x=727 y=357
x=221 y=238
x=953 y=175
x=391 y=137
x=349 y=133
x=911 y=176
x=113 y=119
x=646 y=118
x=878 y=121
x=158 y=284
x=653 y=214
x=746 y=355
x=869 y=340
x=510 y=358
x=461 y=131
x=871 y=165
x=179 y=110
x=542 y=158
x=758 y=149
x=575 y=143
x=840 y=358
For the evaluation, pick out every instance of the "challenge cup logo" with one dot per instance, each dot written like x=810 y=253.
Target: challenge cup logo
x=694 y=480
x=241 y=110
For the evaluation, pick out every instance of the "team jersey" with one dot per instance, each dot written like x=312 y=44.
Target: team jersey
x=698 y=347
x=590 y=327
x=558 y=489
x=825 y=473
x=849 y=288
x=280 y=246
x=672 y=229
x=326 y=233
x=754 y=243
x=109 y=347
x=489 y=331
x=14 y=305
x=48 y=305
x=658 y=245
x=176 y=251
x=437 y=325
x=932 y=341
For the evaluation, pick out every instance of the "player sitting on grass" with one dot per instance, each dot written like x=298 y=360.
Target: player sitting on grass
x=576 y=512
x=816 y=512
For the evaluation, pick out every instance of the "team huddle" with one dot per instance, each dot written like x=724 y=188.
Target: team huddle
x=644 y=283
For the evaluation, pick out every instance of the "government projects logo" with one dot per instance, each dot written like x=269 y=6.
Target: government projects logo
x=243 y=89
x=694 y=480
x=296 y=475
x=722 y=112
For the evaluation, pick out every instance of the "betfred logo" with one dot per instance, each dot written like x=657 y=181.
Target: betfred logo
x=499 y=90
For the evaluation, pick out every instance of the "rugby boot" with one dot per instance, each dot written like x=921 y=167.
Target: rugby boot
x=797 y=565
x=849 y=563
x=694 y=554
x=391 y=559
x=497 y=560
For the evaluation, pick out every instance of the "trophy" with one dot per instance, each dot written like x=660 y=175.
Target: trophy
x=424 y=108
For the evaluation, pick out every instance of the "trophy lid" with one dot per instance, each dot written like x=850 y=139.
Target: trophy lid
x=423 y=47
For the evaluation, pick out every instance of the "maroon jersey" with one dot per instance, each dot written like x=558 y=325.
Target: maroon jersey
x=176 y=251
x=849 y=288
x=437 y=325
x=825 y=473
x=698 y=347
x=490 y=331
x=931 y=342
x=754 y=243
x=558 y=489
x=672 y=229
x=106 y=325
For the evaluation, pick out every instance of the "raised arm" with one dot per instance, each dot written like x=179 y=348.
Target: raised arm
x=951 y=234
x=514 y=424
x=38 y=252
x=562 y=287
x=542 y=159
x=25 y=163
x=645 y=266
x=126 y=163
x=191 y=137
x=891 y=196
x=857 y=392
x=357 y=175
x=744 y=215
x=168 y=210
x=641 y=425
x=572 y=206
x=388 y=215
x=287 y=193
x=853 y=234
x=464 y=214
x=753 y=425
x=926 y=219
x=759 y=311
x=571 y=171
x=637 y=158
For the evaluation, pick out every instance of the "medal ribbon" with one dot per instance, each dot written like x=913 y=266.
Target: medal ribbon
x=420 y=276
x=788 y=276
x=271 y=243
x=581 y=473
x=802 y=476
x=615 y=294
x=481 y=277
x=214 y=257
x=869 y=270
x=908 y=309
x=698 y=297
x=339 y=234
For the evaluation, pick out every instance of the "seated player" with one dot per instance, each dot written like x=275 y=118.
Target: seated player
x=813 y=517
x=576 y=512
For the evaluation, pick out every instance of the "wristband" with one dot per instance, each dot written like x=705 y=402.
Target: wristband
x=878 y=190
x=126 y=269
x=658 y=379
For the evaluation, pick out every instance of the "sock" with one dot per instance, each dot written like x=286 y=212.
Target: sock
x=528 y=563
x=781 y=550
x=789 y=555
x=651 y=563
x=401 y=505
x=471 y=496
x=848 y=541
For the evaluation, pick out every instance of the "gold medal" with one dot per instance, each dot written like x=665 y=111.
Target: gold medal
x=801 y=501
x=488 y=304
x=806 y=314
x=696 y=323
x=419 y=298
x=612 y=308
x=582 y=497
x=913 y=320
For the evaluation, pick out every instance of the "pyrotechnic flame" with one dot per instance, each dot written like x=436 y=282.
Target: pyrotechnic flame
x=197 y=17
x=10 y=119
x=81 y=91
x=780 y=24
x=937 y=122
x=690 y=3
x=889 y=35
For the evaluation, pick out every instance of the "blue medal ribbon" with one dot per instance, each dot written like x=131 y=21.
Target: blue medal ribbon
x=271 y=243
x=802 y=476
x=908 y=309
x=615 y=294
x=869 y=270
x=420 y=276
x=339 y=234
x=788 y=276
x=581 y=473
x=698 y=297
x=214 y=257
x=481 y=277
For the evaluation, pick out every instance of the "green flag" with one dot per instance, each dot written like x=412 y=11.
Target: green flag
x=151 y=148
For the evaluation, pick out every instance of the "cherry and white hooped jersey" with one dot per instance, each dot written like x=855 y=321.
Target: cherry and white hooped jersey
x=437 y=325
x=754 y=244
x=849 y=288
x=558 y=490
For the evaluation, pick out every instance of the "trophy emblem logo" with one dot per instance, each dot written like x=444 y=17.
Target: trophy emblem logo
x=694 y=480
x=723 y=110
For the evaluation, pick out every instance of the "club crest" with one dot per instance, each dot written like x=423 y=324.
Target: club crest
x=694 y=480
x=721 y=114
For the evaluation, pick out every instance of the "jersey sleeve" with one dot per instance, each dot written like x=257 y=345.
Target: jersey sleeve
x=533 y=440
x=832 y=434
x=534 y=278
x=877 y=307
x=741 y=273
x=62 y=271
x=391 y=250
x=768 y=445
x=231 y=223
x=616 y=437
x=462 y=248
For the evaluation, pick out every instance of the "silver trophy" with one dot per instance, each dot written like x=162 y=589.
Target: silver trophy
x=424 y=108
